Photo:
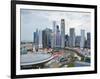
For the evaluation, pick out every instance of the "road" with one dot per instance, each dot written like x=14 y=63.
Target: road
x=79 y=63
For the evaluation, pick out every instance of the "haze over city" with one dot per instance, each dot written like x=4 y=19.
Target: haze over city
x=41 y=19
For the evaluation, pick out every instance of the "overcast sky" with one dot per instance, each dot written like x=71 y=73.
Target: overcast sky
x=41 y=19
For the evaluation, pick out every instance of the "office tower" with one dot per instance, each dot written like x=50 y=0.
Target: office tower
x=36 y=39
x=58 y=37
x=54 y=34
x=72 y=37
x=62 y=33
x=66 y=40
x=88 y=40
x=40 y=39
x=46 y=38
x=82 y=41
x=52 y=39
x=77 y=41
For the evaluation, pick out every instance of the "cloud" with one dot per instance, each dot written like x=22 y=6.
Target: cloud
x=33 y=19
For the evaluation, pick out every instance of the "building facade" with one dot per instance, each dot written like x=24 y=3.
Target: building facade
x=54 y=35
x=36 y=39
x=82 y=41
x=66 y=40
x=40 y=39
x=62 y=33
x=58 y=37
x=77 y=41
x=46 y=38
x=88 y=40
x=72 y=37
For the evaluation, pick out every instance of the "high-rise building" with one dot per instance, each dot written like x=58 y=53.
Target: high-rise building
x=62 y=33
x=52 y=39
x=40 y=39
x=77 y=41
x=82 y=41
x=72 y=37
x=36 y=39
x=46 y=38
x=88 y=40
x=54 y=34
x=66 y=40
x=58 y=37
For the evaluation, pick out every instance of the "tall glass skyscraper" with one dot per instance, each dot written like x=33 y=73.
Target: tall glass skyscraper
x=62 y=33
x=54 y=34
x=88 y=40
x=46 y=38
x=40 y=39
x=82 y=41
x=58 y=37
x=77 y=41
x=66 y=40
x=36 y=39
x=72 y=37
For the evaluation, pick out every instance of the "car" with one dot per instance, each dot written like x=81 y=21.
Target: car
x=64 y=59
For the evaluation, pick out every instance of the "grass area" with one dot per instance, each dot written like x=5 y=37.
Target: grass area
x=71 y=65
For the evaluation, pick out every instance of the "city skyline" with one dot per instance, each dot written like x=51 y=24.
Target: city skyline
x=52 y=38
x=33 y=19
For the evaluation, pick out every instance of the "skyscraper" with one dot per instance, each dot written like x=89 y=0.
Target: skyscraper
x=77 y=41
x=58 y=37
x=54 y=34
x=36 y=39
x=72 y=37
x=40 y=39
x=66 y=40
x=46 y=38
x=62 y=33
x=52 y=39
x=82 y=41
x=88 y=40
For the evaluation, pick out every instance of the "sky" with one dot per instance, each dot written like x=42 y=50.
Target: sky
x=32 y=19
